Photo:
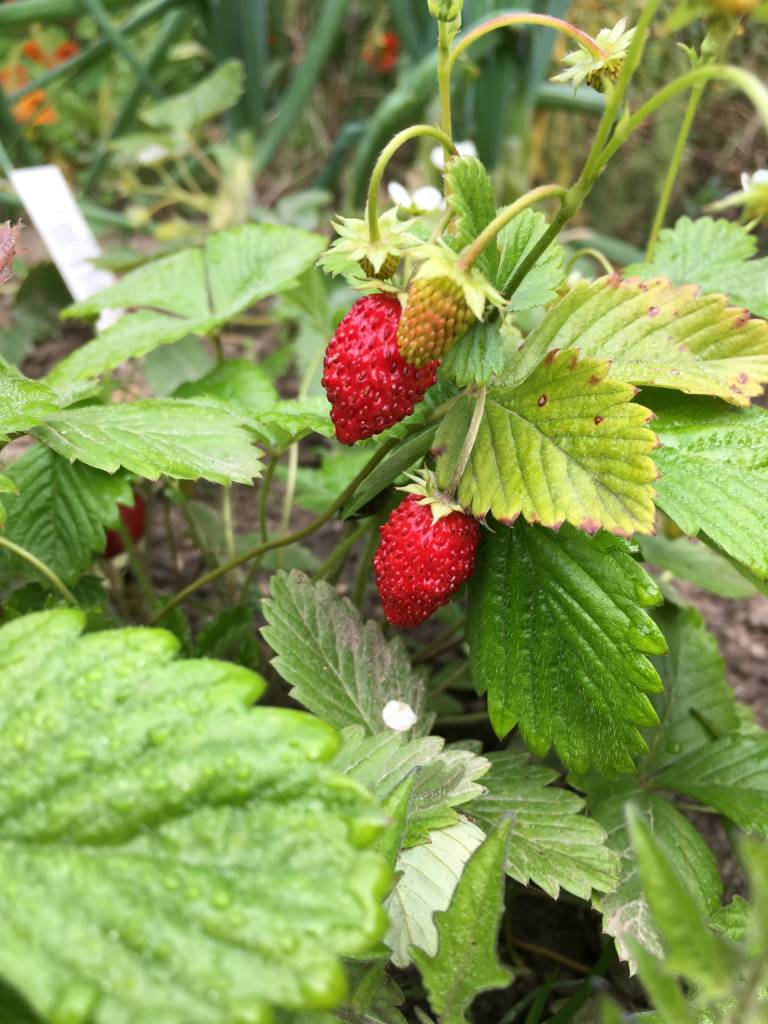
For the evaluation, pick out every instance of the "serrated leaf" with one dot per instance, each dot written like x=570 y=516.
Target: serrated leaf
x=540 y=284
x=428 y=875
x=23 y=402
x=729 y=774
x=445 y=777
x=714 y=474
x=155 y=437
x=558 y=638
x=60 y=513
x=466 y=962
x=477 y=357
x=689 y=559
x=470 y=193
x=690 y=948
x=191 y=292
x=552 y=843
x=167 y=852
x=626 y=914
x=212 y=95
x=657 y=335
x=716 y=255
x=339 y=666
x=565 y=445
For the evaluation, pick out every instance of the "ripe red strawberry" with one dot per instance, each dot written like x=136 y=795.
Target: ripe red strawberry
x=421 y=561
x=369 y=385
x=435 y=317
x=134 y=519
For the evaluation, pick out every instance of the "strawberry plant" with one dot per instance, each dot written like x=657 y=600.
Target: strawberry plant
x=291 y=730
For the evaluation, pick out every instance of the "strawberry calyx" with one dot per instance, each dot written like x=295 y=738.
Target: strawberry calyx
x=355 y=250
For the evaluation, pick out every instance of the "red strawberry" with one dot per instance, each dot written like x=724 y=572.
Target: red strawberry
x=421 y=561
x=368 y=383
x=134 y=519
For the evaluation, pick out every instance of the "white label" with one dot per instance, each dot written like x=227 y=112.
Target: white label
x=60 y=223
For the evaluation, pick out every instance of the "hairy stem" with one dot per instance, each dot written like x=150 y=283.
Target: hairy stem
x=444 y=68
x=42 y=568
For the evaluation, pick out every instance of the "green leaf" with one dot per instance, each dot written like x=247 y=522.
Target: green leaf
x=558 y=638
x=729 y=774
x=339 y=666
x=155 y=437
x=466 y=963
x=191 y=292
x=714 y=474
x=168 y=852
x=212 y=95
x=470 y=193
x=427 y=877
x=540 y=284
x=732 y=919
x=235 y=382
x=60 y=513
x=318 y=486
x=565 y=445
x=477 y=357
x=688 y=559
x=552 y=843
x=716 y=255
x=7 y=486
x=445 y=777
x=666 y=994
x=658 y=336
x=404 y=456
x=690 y=948
x=626 y=913
x=23 y=402
x=169 y=367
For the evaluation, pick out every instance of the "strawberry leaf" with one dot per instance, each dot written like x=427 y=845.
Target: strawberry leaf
x=59 y=514
x=716 y=255
x=470 y=193
x=188 y=110
x=540 y=284
x=166 y=850
x=558 y=638
x=552 y=844
x=23 y=402
x=564 y=445
x=657 y=335
x=155 y=437
x=714 y=474
x=339 y=666
x=191 y=292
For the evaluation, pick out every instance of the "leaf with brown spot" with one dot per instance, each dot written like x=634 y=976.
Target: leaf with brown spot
x=553 y=461
x=657 y=335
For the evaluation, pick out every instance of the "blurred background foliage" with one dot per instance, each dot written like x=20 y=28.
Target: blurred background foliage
x=310 y=91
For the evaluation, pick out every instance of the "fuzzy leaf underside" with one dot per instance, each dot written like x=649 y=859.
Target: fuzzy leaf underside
x=59 y=514
x=716 y=255
x=552 y=843
x=466 y=962
x=558 y=639
x=657 y=335
x=155 y=437
x=427 y=878
x=169 y=298
x=445 y=777
x=714 y=474
x=168 y=852
x=339 y=666
x=565 y=445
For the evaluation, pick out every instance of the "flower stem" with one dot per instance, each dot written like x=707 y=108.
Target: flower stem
x=277 y=542
x=473 y=250
x=416 y=130
x=42 y=568
x=469 y=442
x=594 y=254
x=444 y=69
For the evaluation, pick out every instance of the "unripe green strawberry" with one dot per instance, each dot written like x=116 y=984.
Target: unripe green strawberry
x=436 y=315
x=385 y=271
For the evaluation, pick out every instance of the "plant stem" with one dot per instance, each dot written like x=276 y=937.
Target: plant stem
x=526 y=18
x=364 y=569
x=266 y=483
x=674 y=167
x=278 y=542
x=444 y=69
x=595 y=254
x=469 y=442
x=341 y=551
x=437 y=644
x=470 y=718
x=416 y=130
x=473 y=250
x=229 y=536
x=42 y=568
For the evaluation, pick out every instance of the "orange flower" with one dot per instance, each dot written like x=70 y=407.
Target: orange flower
x=32 y=50
x=32 y=108
x=13 y=76
x=66 y=50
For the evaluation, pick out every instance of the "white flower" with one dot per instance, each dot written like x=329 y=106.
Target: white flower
x=398 y=716
x=756 y=178
x=466 y=148
x=422 y=200
x=753 y=198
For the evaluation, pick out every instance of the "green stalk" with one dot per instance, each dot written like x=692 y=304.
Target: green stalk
x=42 y=568
x=278 y=542
x=469 y=443
x=444 y=69
x=96 y=10
x=340 y=552
x=416 y=130
x=364 y=569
